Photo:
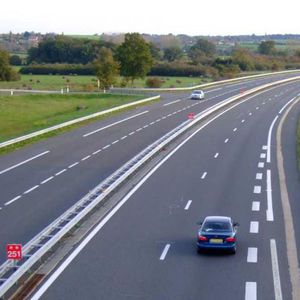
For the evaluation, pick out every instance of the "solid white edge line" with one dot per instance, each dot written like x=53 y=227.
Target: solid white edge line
x=275 y=270
x=283 y=108
x=12 y=200
x=269 y=212
x=165 y=252
x=23 y=162
x=31 y=189
x=255 y=206
x=81 y=246
x=254 y=227
x=250 y=291
x=252 y=255
x=188 y=205
x=115 y=123
x=169 y=103
x=269 y=140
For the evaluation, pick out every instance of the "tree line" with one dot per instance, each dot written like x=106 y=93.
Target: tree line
x=135 y=58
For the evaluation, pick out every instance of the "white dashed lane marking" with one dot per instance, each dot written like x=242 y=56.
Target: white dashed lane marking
x=117 y=141
x=252 y=255
x=263 y=155
x=203 y=175
x=216 y=155
x=165 y=252
x=60 y=172
x=47 y=180
x=261 y=165
x=12 y=200
x=85 y=158
x=259 y=176
x=257 y=189
x=255 y=206
x=226 y=141
x=31 y=189
x=250 y=291
x=105 y=147
x=188 y=205
x=254 y=225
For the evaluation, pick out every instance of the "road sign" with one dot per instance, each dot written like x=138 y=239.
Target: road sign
x=14 y=251
x=191 y=116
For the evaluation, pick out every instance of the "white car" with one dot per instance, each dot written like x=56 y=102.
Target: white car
x=197 y=95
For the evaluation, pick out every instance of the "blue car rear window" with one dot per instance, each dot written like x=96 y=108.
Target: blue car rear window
x=216 y=226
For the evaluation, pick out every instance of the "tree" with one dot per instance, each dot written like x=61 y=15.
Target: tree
x=172 y=53
x=155 y=52
x=15 y=60
x=106 y=68
x=243 y=59
x=134 y=56
x=202 y=52
x=267 y=47
x=6 y=71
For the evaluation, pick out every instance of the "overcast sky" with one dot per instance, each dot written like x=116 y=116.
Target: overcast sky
x=192 y=17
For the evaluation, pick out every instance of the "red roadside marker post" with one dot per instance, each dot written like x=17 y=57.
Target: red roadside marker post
x=191 y=116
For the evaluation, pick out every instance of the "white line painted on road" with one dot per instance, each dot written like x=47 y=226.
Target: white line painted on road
x=172 y=102
x=105 y=147
x=85 y=158
x=242 y=121
x=254 y=225
x=261 y=165
x=47 y=180
x=250 y=114
x=75 y=164
x=131 y=133
x=283 y=108
x=269 y=140
x=270 y=215
x=32 y=189
x=257 y=189
x=275 y=270
x=188 y=205
x=203 y=175
x=118 y=122
x=115 y=209
x=255 y=206
x=216 y=155
x=226 y=141
x=145 y=126
x=96 y=152
x=263 y=155
x=123 y=137
x=114 y=142
x=139 y=129
x=23 y=162
x=257 y=107
x=12 y=200
x=259 y=176
x=252 y=255
x=60 y=172
x=265 y=147
x=250 y=291
x=152 y=123
x=165 y=251
x=235 y=129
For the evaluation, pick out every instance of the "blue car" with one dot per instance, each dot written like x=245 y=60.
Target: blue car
x=217 y=233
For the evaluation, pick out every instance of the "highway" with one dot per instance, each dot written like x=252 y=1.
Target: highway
x=40 y=182
x=146 y=247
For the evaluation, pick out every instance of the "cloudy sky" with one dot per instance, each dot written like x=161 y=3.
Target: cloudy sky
x=192 y=17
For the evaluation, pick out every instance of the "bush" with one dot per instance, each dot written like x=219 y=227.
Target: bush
x=57 y=69
x=154 y=82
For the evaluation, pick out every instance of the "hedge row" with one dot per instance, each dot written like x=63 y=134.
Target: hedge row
x=57 y=69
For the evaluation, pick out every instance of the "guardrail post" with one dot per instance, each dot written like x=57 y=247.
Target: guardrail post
x=11 y=92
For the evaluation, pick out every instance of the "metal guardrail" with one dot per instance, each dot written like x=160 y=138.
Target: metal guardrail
x=35 y=249
x=135 y=90
x=65 y=124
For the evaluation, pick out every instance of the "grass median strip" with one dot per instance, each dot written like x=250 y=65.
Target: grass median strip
x=20 y=115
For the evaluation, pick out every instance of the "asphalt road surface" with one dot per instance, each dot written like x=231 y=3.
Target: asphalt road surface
x=146 y=247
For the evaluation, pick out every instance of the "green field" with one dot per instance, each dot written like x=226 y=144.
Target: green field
x=84 y=83
x=21 y=115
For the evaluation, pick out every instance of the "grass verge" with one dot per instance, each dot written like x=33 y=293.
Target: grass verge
x=34 y=119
